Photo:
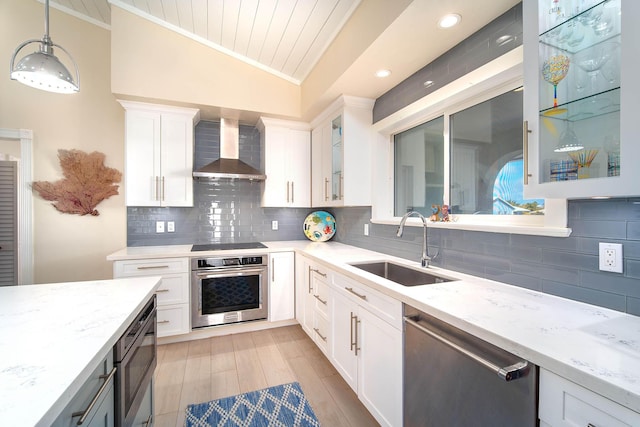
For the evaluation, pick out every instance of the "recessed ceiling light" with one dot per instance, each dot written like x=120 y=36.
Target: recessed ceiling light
x=383 y=73
x=449 y=20
x=428 y=83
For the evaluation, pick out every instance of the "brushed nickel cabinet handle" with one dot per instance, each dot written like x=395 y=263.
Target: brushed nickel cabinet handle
x=162 y=190
x=340 y=184
x=287 y=191
x=525 y=151
x=148 y=422
x=273 y=271
x=159 y=291
x=163 y=321
x=292 y=193
x=315 y=270
x=320 y=335
x=84 y=414
x=320 y=299
x=364 y=297
x=309 y=279
x=354 y=335
x=326 y=191
x=152 y=267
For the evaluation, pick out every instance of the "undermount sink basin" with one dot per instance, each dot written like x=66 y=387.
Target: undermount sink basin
x=405 y=276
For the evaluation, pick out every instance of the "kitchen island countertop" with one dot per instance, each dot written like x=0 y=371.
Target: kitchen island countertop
x=52 y=336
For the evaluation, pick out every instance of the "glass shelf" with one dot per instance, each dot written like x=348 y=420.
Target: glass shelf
x=586 y=28
x=588 y=107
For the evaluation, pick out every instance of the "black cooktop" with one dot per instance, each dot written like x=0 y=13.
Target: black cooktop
x=226 y=246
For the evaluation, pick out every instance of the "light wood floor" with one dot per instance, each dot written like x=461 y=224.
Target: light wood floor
x=203 y=370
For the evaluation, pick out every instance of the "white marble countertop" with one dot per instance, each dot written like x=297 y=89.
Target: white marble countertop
x=52 y=336
x=595 y=347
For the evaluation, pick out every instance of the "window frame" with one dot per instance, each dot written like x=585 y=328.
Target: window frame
x=487 y=82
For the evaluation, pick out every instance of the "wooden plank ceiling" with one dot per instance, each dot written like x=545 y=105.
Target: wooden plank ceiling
x=285 y=37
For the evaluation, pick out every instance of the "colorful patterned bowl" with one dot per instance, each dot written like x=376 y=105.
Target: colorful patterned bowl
x=319 y=226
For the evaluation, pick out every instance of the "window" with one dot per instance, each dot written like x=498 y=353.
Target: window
x=486 y=159
x=419 y=168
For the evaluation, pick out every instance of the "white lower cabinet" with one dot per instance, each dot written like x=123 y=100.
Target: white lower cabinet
x=281 y=286
x=564 y=403
x=92 y=404
x=367 y=350
x=312 y=301
x=172 y=294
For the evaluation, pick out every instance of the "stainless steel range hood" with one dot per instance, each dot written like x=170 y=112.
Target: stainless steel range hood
x=229 y=165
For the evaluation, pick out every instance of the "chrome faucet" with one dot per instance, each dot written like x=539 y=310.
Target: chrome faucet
x=425 y=257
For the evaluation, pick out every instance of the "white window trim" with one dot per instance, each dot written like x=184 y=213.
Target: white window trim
x=488 y=81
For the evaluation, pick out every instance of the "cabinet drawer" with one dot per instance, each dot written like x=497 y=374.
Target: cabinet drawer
x=321 y=330
x=565 y=403
x=383 y=306
x=89 y=391
x=173 y=320
x=321 y=297
x=174 y=289
x=150 y=267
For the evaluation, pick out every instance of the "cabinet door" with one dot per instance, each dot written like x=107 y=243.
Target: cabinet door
x=281 y=286
x=336 y=161
x=142 y=158
x=298 y=167
x=303 y=273
x=576 y=62
x=176 y=182
x=276 y=187
x=144 y=417
x=319 y=173
x=344 y=328
x=380 y=368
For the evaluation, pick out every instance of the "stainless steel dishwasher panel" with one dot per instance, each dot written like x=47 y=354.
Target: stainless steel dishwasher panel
x=452 y=378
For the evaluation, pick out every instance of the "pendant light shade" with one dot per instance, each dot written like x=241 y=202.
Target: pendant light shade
x=42 y=69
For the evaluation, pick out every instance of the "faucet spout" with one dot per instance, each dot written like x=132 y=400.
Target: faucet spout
x=425 y=260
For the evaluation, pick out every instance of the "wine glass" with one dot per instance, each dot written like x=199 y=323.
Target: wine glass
x=591 y=60
x=553 y=71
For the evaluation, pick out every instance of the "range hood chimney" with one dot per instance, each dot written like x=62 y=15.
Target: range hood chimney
x=229 y=165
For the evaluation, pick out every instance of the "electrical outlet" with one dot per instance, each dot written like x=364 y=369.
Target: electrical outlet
x=159 y=226
x=274 y=225
x=366 y=229
x=610 y=257
x=171 y=226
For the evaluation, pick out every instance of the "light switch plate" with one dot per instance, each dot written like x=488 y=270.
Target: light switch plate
x=171 y=226
x=159 y=226
x=274 y=225
x=610 y=257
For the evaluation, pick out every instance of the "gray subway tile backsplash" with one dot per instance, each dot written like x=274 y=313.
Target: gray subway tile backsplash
x=566 y=267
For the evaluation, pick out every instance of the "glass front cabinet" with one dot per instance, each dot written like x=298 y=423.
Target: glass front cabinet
x=582 y=98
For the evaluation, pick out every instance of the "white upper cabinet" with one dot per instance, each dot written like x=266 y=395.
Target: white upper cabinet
x=286 y=154
x=341 y=143
x=158 y=154
x=581 y=67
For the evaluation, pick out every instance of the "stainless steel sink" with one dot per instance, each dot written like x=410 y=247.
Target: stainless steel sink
x=403 y=275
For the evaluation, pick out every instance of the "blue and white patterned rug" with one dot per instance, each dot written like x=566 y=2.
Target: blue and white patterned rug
x=282 y=406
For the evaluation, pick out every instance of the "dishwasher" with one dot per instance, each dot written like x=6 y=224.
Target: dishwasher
x=452 y=378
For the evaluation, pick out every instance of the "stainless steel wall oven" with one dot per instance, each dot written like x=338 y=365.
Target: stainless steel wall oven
x=228 y=290
x=135 y=359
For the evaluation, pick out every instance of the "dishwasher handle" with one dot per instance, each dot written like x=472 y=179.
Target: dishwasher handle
x=507 y=373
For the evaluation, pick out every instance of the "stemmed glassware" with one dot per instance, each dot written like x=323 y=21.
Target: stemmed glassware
x=553 y=71
x=593 y=59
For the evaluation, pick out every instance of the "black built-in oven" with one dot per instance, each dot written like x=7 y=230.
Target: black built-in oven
x=228 y=290
x=135 y=358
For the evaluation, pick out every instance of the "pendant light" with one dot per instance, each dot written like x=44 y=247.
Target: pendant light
x=42 y=69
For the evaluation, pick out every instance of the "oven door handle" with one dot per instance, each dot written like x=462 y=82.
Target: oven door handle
x=229 y=272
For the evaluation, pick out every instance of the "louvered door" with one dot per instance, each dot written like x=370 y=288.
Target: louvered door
x=8 y=223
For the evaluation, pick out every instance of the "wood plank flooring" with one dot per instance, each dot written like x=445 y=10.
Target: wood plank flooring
x=203 y=370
